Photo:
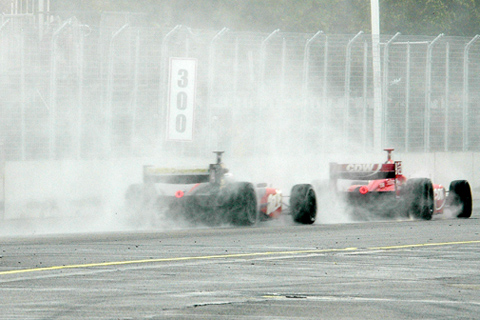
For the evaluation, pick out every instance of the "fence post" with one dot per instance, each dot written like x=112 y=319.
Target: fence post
x=378 y=108
x=236 y=67
x=162 y=108
x=348 y=66
x=211 y=75
x=306 y=74
x=283 y=69
x=134 y=106
x=23 y=97
x=407 y=101
x=109 y=111
x=306 y=64
x=81 y=83
x=466 y=95
x=447 y=97
x=365 y=93
x=386 y=60
x=53 y=92
x=428 y=94
x=325 y=92
x=263 y=57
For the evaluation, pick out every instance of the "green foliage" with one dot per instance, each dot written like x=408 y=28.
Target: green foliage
x=427 y=17
x=431 y=17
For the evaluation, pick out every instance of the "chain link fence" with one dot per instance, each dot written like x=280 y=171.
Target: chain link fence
x=74 y=91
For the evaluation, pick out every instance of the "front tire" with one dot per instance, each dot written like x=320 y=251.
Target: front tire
x=303 y=204
x=460 y=196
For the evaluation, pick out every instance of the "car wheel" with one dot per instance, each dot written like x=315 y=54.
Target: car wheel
x=243 y=204
x=460 y=197
x=420 y=198
x=303 y=203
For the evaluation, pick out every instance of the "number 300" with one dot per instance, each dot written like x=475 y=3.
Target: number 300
x=182 y=97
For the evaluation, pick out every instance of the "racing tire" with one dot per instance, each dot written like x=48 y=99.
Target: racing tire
x=420 y=198
x=243 y=204
x=460 y=196
x=303 y=203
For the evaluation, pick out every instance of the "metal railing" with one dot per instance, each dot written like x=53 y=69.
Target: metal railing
x=79 y=92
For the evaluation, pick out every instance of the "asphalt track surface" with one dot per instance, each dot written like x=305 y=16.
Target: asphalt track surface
x=276 y=270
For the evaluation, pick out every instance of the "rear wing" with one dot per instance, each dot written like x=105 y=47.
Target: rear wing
x=152 y=174
x=365 y=171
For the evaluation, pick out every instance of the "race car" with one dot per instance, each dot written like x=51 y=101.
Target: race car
x=382 y=190
x=206 y=196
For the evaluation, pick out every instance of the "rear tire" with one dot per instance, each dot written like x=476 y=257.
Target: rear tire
x=243 y=204
x=303 y=204
x=420 y=198
x=460 y=196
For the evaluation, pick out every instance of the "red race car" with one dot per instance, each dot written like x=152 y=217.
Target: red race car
x=382 y=190
x=207 y=196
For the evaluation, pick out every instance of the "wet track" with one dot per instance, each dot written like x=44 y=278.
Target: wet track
x=276 y=270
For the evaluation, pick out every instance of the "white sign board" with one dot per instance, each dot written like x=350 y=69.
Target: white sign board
x=181 y=99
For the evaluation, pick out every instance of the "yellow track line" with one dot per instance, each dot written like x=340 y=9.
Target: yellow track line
x=224 y=256
x=424 y=245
